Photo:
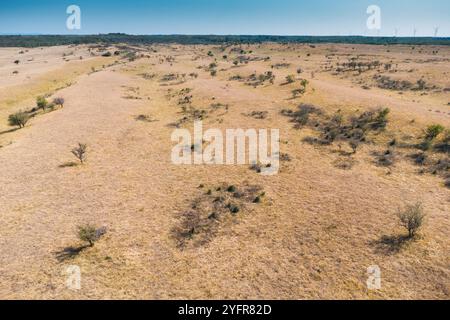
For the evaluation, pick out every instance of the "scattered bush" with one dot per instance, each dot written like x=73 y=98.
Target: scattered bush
x=211 y=212
x=412 y=218
x=19 y=119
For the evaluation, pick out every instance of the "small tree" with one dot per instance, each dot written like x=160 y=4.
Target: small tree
x=59 y=102
x=80 y=152
x=41 y=103
x=412 y=218
x=90 y=234
x=19 y=119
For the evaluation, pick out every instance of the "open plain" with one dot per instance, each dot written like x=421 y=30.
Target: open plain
x=311 y=231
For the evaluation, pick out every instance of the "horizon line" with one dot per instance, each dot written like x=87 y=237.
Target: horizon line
x=216 y=35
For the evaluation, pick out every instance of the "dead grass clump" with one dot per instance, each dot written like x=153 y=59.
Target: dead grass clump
x=214 y=210
x=281 y=65
x=345 y=163
x=218 y=106
x=257 y=167
x=386 y=158
x=148 y=76
x=285 y=157
x=145 y=118
x=260 y=115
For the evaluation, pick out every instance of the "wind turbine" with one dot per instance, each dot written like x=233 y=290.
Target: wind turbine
x=436 y=30
x=415 y=32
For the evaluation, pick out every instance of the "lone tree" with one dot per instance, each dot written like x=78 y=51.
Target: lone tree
x=90 y=234
x=41 y=103
x=80 y=152
x=411 y=218
x=59 y=102
x=19 y=119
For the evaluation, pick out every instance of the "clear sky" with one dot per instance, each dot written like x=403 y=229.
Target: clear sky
x=249 y=17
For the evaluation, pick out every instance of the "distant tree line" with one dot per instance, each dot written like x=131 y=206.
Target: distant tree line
x=115 y=38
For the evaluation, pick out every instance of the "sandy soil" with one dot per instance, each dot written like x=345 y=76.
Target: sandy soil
x=313 y=237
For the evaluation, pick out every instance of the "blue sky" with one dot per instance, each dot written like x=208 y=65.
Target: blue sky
x=274 y=17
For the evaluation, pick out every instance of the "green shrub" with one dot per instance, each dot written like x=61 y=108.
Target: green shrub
x=433 y=131
x=41 y=103
x=19 y=119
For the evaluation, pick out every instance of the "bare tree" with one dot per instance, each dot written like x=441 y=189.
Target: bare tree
x=80 y=152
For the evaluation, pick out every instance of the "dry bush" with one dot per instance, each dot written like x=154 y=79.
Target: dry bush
x=260 y=115
x=80 y=152
x=386 y=158
x=412 y=218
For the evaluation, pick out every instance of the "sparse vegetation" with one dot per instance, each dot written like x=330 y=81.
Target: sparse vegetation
x=213 y=211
